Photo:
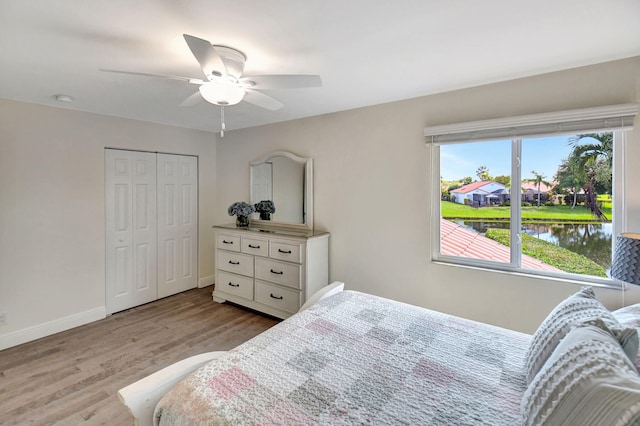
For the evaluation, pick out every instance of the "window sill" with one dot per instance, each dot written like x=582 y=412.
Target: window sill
x=577 y=280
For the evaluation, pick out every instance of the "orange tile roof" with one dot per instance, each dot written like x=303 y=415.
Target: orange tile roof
x=472 y=186
x=456 y=240
x=534 y=187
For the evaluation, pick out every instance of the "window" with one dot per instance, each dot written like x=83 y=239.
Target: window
x=538 y=194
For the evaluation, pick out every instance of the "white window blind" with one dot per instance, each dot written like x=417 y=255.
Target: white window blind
x=600 y=119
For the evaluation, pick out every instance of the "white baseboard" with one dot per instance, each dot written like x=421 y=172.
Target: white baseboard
x=19 y=337
x=206 y=281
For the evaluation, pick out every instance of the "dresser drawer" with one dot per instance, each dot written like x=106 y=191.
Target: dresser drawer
x=255 y=246
x=278 y=272
x=235 y=262
x=235 y=284
x=278 y=297
x=228 y=242
x=285 y=251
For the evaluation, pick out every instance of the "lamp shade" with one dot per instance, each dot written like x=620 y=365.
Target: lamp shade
x=221 y=92
x=626 y=258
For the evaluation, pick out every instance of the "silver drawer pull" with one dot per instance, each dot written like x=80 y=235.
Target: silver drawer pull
x=227 y=242
x=284 y=251
x=234 y=263
x=255 y=247
x=277 y=272
x=233 y=285
x=276 y=297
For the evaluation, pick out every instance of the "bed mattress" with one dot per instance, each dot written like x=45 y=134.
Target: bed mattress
x=354 y=358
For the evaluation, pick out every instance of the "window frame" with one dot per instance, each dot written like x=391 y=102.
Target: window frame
x=482 y=131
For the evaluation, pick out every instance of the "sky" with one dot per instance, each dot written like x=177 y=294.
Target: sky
x=540 y=154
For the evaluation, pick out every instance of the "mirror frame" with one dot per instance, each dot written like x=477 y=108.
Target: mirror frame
x=308 y=190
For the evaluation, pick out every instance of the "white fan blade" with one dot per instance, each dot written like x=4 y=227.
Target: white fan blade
x=261 y=100
x=291 y=81
x=209 y=60
x=192 y=100
x=144 y=74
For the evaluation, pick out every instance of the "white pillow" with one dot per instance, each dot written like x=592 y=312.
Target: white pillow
x=587 y=380
x=629 y=316
x=575 y=310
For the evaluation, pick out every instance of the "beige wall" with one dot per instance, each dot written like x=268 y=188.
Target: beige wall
x=377 y=156
x=52 y=202
x=52 y=219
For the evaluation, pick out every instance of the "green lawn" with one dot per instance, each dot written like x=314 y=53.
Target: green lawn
x=606 y=201
x=550 y=254
x=453 y=210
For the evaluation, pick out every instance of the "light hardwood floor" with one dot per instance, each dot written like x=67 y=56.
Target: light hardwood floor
x=72 y=378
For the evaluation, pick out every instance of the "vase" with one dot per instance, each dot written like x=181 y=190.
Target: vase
x=242 y=221
x=265 y=216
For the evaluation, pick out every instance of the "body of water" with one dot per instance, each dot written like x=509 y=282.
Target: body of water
x=592 y=240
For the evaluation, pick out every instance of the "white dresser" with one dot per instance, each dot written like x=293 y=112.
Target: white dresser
x=270 y=270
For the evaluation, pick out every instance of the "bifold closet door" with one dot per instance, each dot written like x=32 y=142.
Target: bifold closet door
x=131 y=250
x=177 y=223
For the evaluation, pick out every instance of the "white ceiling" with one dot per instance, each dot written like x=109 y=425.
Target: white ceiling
x=367 y=52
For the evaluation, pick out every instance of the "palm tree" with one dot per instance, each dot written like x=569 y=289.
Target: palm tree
x=483 y=173
x=570 y=176
x=595 y=159
x=538 y=179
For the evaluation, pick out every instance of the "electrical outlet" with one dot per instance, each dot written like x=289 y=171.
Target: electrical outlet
x=3 y=318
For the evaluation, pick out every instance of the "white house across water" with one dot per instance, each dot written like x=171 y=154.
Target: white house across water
x=480 y=194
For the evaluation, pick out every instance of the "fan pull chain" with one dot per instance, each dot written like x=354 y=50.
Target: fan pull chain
x=222 y=121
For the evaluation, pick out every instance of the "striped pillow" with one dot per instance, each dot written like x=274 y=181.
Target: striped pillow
x=575 y=310
x=587 y=380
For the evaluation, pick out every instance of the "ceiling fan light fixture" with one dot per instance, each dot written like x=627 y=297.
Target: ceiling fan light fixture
x=233 y=59
x=220 y=92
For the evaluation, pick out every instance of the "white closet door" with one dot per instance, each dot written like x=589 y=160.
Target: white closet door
x=177 y=223
x=130 y=185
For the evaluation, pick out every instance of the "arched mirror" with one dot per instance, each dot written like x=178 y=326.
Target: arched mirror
x=285 y=180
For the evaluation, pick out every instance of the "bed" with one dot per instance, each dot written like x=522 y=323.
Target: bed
x=354 y=358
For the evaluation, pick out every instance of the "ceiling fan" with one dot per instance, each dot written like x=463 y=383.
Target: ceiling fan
x=224 y=85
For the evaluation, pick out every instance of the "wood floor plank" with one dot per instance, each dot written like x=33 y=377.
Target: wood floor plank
x=71 y=378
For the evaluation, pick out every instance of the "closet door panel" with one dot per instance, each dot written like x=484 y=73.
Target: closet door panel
x=120 y=272
x=167 y=229
x=177 y=223
x=119 y=235
x=144 y=228
x=189 y=220
x=168 y=259
x=130 y=186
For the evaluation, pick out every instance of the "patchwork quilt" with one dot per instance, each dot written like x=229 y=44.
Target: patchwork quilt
x=355 y=358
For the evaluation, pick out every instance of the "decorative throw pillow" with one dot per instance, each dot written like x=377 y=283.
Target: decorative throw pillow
x=587 y=380
x=629 y=316
x=575 y=310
